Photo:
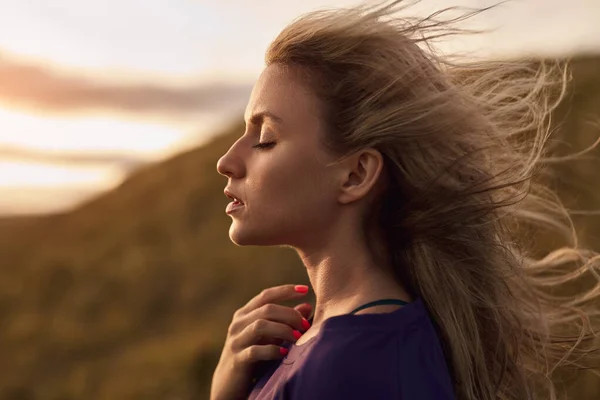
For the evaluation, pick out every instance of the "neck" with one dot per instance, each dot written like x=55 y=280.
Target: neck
x=344 y=275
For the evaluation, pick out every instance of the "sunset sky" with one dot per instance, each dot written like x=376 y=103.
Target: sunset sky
x=91 y=89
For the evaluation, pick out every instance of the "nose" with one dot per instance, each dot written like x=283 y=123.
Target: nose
x=230 y=164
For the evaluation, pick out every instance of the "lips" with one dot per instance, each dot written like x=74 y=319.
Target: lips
x=236 y=204
x=232 y=196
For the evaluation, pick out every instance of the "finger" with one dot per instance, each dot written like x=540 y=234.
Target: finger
x=262 y=353
x=275 y=294
x=277 y=313
x=263 y=330
x=304 y=309
x=274 y=341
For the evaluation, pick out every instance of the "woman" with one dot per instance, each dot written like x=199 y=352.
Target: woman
x=399 y=178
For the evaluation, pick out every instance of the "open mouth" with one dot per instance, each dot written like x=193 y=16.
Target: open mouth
x=235 y=199
x=235 y=204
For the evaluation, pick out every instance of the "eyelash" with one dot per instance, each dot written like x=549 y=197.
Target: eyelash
x=264 y=145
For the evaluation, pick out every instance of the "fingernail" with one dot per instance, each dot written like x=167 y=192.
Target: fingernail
x=283 y=351
x=301 y=288
x=297 y=334
x=305 y=323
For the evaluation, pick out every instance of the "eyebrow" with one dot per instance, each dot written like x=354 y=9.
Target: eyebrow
x=259 y=117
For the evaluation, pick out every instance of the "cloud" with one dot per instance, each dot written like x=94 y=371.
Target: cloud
x=124 y=162
x=34 y=86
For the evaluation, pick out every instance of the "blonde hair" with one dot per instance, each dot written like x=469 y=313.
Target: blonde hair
x=461 y=141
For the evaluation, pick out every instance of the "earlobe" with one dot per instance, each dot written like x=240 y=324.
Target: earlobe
x=361 y=171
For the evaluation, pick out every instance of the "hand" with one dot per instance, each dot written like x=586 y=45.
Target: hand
x=255 y=334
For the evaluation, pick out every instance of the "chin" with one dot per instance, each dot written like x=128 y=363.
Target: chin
x=253 y=237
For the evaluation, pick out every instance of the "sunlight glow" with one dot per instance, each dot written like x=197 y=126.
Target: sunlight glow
x=16 y=173
x=87 y=134
x=26 y=200
x=32 y=188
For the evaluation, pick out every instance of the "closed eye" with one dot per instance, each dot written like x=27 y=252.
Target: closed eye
x=264 y=145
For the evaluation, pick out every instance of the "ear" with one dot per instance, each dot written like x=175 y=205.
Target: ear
x=360 y=173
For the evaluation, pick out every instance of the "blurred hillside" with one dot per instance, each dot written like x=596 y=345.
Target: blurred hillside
x=129 y=296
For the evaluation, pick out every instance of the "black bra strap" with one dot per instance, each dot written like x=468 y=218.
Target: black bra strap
x=373 y=304
x=380 y=302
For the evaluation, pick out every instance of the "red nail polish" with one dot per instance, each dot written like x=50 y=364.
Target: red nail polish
x=283 y=351
x=305 y=324
x=301 y=288
x=297 y=334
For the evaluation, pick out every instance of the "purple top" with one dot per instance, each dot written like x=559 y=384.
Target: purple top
x=394 y=355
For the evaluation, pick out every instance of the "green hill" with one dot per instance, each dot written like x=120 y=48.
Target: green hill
x=129 y=296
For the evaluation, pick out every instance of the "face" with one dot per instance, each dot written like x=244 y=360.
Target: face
x=278 y=167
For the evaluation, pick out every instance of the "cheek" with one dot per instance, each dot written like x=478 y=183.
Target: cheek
x=286 y=200
x=295 y=189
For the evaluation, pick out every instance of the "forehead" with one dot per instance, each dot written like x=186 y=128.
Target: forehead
x=280 y=91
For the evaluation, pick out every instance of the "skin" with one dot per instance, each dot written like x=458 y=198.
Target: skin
x=294 y=197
